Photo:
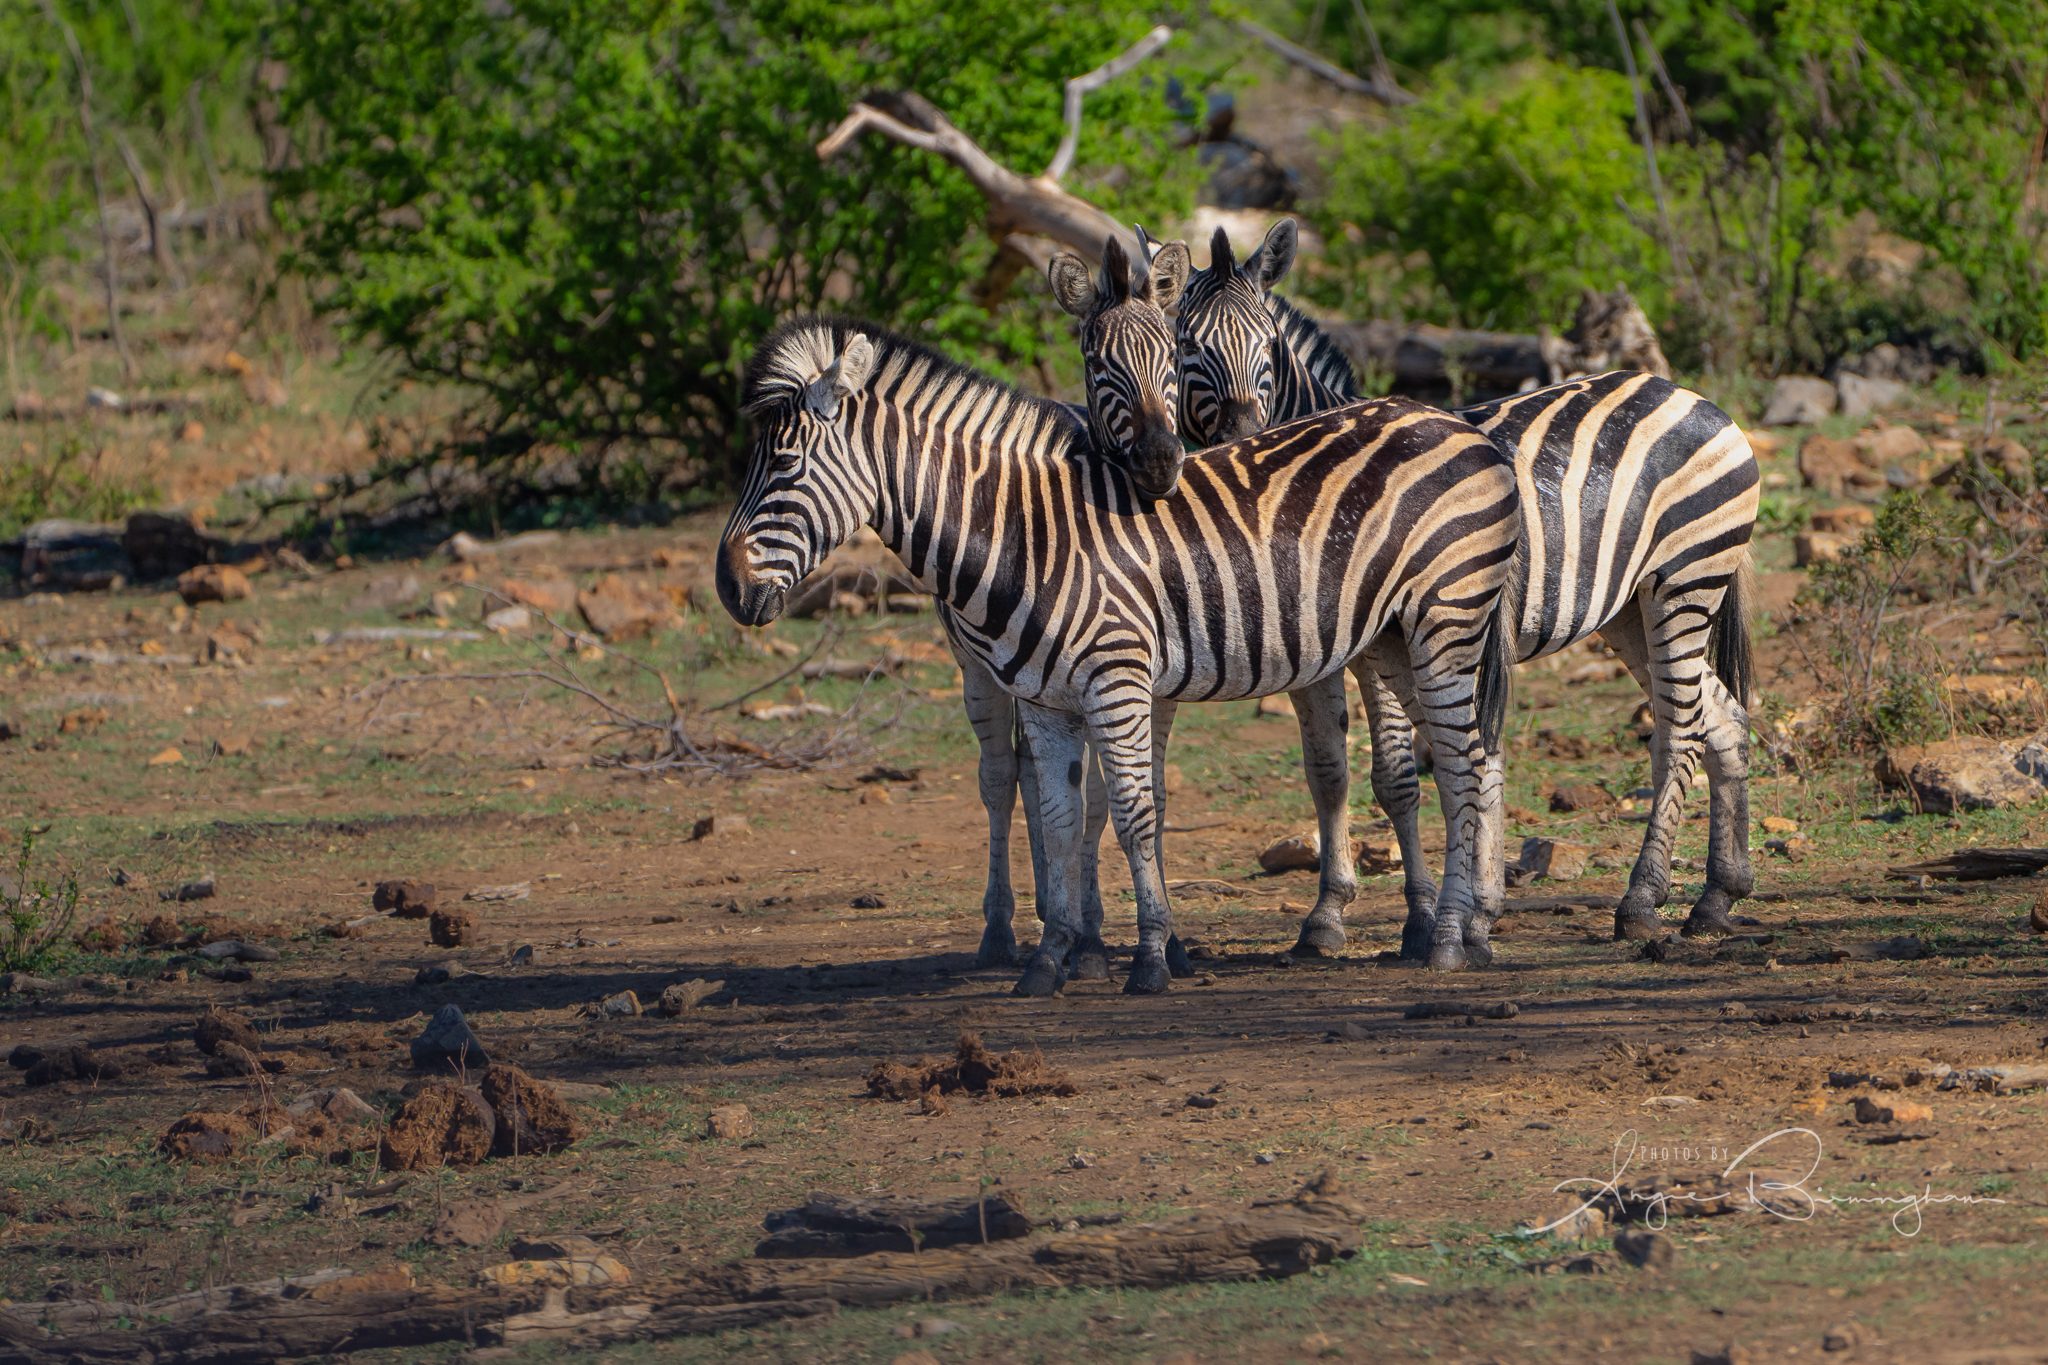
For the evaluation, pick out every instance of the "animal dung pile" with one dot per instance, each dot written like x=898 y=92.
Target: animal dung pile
x=507 y=1114
x=972 y=1069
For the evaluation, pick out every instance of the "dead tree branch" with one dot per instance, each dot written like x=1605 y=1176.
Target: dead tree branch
x=1080 y=86
x=1383 y=90
x=99 y=188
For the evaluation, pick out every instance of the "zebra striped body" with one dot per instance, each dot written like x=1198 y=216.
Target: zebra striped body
x=1384 y=528
x=1638 y=501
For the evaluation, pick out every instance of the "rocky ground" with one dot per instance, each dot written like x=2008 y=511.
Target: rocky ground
x=315 y=809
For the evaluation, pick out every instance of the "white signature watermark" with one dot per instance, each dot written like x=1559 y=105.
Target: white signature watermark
x=1784 y=1191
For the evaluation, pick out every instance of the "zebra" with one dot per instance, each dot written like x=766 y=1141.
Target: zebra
x=1638 y=501
x=1383 y=528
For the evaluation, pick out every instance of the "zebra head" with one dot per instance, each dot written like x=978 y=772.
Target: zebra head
x=806 y=490
x=1127 y=353
x=1230 y=339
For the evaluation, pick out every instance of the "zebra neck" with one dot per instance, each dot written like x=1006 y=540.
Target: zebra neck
x=1311 y=374
x=958 y=455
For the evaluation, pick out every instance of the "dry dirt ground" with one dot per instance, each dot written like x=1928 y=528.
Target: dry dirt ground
x=321 y=765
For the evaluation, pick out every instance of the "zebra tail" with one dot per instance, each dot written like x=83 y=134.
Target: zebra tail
x=1728 y=636
x=1497 y=655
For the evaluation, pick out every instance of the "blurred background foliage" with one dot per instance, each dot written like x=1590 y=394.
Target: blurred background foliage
x=582 y=215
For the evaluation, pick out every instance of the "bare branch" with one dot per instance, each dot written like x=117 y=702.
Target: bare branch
x=99 y=189
x=1382 y=90
x=1079 y=86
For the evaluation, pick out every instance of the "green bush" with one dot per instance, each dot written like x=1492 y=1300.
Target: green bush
x=1500 y=204
x=590 y=212
x=35 y=914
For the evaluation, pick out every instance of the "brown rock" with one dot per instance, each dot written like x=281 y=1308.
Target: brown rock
x=450 y=928
x=729 y=1121
x=1560 y=860
x=1645 y=1249
x=213 y=583
x=406 y=898
x=1580 y=796
x=1778 y=824
x=1292 y=853
x=167 y=757
x=84 y=720
x=685 y=996
x=467 y=1223
x=227 y=644
x=531 y=1118
x=720 y=827
x=1842 y=521
x=443 y=1125
x=1959 y=774
x=1376 y=853
x=1798 y=400
x=1836 y=468
x=1820 y=547
x=102 y=935
x=554 y=597
x=1843 y=1336
x=619 y=610
x=1882 y=446
x=1890 y=1110
x=1997 y=692
x=161 y=932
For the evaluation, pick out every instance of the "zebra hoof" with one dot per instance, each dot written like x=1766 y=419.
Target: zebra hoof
x=1179 y=965
x=1319 y=940
x=1089 y=961
x=1447 y=957
x=998 y=948
x=1636 y=925
x=1041 y=978
x=1709 y=918
x=1416 y=936
x=1479 y=954
x=1148 y=977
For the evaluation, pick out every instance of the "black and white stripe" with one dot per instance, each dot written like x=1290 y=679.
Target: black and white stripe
x=1383 y=530
x=1638 y=501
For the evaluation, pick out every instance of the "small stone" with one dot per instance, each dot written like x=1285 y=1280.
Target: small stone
x=467 y=1223
x=1870 y=1110
x=1778 y=824
x=1859 y=397
x=166 y=757
x=685 y=995
x=868 y=900
x=1292 y=853
x=405 y=898
x=510 y=620
x=200 y=890
x=1850 y=521
x=339 y=1105
x=619 y=610
x=720 y=827
x=624 y=1005
x=217 y=1027
x=448 y=1044
x=1843 y=1336
x=235 y=950
x=1798 y=401
x=213 y=583
x=1265 y=1158
x=1559 y=860
x=1201 y=1101
x=1645 y=1249
x=729 y=1121
x=83 y=720
x=1890 y=445
x=1836 y=469
x=1375 y=854
x=450 y=928
x=1580 y=796
x=229 y=645
x=1820 y=547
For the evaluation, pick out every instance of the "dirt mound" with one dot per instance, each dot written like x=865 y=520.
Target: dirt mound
x=531 y=1117
x=443 y=1125
x=218 y=1027
x=206 y=1137
x=68 y=1064
x=973 y=1069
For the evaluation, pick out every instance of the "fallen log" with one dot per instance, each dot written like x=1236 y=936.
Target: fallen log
x=1975 y=865
x=336 y=1312
x=832 y=1225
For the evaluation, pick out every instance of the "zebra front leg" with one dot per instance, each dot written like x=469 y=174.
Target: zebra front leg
x=1729 y=877
x=1398 y=789
x=1055 y=741
x=993 y=714
x=1445 y=694
x=1089 y=958
x=1325 y=718
x=1178 y=964
x=1490 y=862
x=1122 y=732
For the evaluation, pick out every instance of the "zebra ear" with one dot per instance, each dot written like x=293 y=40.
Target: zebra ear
x=1275 y=256
x=847 y=373
x=1220 y=257
x=1115 y=286
x=1071 y=284
x=1168 y=275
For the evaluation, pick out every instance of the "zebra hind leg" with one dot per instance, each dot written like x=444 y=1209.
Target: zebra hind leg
x=1674 y=640
x=1088 y=960
x=1055 y=742
x=1729 y=877
x=1178 y=964
x=1325 y=720
x=1121 y=728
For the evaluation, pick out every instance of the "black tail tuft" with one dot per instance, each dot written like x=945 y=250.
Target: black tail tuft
x=1497 y=657
x=1728 y=638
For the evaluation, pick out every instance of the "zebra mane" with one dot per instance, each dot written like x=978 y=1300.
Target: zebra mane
x=801 y=347
x=1311 y=345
